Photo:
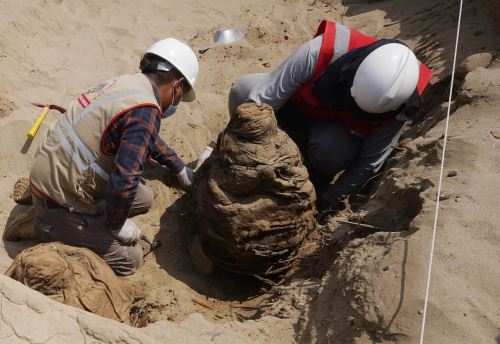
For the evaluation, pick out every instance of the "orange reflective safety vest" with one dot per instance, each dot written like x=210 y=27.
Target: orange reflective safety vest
x=337 y=41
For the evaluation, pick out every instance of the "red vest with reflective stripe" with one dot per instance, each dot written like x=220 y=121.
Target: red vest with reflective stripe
x=338 y=40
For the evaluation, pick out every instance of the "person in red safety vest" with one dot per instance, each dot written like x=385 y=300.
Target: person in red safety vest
x=344 y=98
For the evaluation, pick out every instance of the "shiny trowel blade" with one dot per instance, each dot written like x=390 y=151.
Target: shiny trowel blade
x=228 y=36
x=225 y=36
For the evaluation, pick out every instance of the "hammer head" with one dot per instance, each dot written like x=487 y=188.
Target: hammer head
x=51 y=107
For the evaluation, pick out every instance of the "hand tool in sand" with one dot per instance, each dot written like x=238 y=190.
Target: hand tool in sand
x=153 y=245
x=225 y=36
x=46 y=107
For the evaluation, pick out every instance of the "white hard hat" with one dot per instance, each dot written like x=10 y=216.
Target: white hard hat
x=386 y=78
x=180 y=56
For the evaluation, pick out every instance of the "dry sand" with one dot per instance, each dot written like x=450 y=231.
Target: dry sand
x=362 y=287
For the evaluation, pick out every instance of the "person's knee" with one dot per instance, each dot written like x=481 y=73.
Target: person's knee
x=332 y=148
x=143 y=200
x=241 y=88
x=326 y=160
x=147 y=198
x=125 y=260
x=135 y=257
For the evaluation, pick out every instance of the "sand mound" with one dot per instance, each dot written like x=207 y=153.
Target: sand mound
x=6 y=106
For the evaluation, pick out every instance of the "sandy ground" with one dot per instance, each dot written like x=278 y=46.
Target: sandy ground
x=361 y=287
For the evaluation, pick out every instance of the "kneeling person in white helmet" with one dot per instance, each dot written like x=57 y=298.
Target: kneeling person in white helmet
x=86 y=174
x=343 y=97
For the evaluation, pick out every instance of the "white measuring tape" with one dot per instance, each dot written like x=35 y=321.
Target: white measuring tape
x=440 y=178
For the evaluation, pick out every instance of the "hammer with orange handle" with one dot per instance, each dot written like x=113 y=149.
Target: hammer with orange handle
x=41 y=117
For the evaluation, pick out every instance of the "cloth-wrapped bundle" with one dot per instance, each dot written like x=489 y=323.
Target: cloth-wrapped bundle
x=76 y=277
x=254 y=201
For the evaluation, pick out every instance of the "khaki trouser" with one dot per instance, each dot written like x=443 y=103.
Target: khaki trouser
x=90 y=231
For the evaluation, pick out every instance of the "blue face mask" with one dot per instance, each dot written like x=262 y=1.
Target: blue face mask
x=171 y=109
x=169 y=112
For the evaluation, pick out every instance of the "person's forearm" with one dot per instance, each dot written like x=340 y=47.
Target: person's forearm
x=138 y=131
x=120 y=195
x=375 y=150
x=167 y=157
x=349 y=182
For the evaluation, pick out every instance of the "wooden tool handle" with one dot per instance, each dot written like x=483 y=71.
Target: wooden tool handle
x=39 y=120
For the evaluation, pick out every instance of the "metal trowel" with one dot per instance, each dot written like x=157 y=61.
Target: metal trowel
x=225 y=36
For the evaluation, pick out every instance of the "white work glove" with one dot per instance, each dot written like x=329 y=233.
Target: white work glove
x=129 y=234
x=203 y=156
x=185 y=178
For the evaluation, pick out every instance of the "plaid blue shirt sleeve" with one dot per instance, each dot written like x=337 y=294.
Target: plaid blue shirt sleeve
x=132 y=138
x=167 y=157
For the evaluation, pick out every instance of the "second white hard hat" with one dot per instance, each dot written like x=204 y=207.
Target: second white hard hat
x=182 y=57
x=386 y=78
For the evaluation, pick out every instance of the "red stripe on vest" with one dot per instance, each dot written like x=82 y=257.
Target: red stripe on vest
x=359 y=39
x=304 y=94
x=87 y=101
x=327 y=47
x=83 y=101
x=80 y=102
x=423 y=78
